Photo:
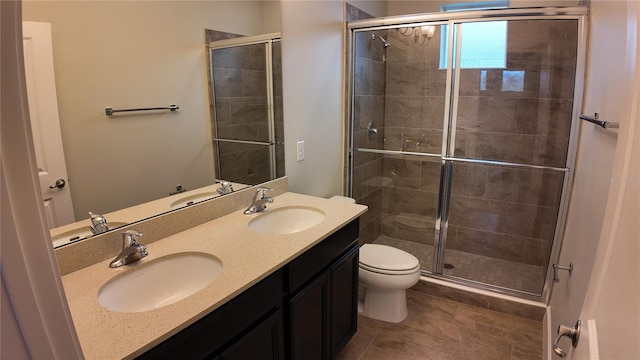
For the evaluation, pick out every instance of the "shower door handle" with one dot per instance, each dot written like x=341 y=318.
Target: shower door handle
x=571 y=332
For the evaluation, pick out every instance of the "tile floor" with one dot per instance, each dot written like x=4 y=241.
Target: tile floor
x=503 y=273
x=437 y=328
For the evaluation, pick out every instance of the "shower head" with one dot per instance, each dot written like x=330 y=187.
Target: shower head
x=384 y=42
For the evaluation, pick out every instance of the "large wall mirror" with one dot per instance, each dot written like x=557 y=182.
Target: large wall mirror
x=142 y=54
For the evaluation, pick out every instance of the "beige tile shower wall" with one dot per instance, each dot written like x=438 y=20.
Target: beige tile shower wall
x=241 y=112
x=414 y=115
x=505 y=213
x=530 y=126
x=369 y=105
x=278 y=113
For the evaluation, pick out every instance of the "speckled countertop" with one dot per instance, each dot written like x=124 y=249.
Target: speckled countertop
x=247 y=258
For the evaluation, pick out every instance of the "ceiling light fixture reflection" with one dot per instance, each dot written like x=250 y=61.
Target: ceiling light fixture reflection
x=421 y=34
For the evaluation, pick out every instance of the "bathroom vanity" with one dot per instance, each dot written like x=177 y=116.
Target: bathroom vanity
x=307 y=309
x=277 y=296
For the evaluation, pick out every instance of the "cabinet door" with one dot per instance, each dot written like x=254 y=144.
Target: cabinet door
x=308 y=321
x=265 y=342
x=344 y=301
x=323 y=315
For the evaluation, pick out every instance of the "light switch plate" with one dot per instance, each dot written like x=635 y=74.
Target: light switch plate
x=300 y=151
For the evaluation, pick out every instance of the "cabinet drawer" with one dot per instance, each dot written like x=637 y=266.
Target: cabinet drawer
x=302 y=269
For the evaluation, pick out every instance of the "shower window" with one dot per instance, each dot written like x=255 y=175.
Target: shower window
x=484 y=45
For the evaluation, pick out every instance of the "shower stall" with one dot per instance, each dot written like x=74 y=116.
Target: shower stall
x=246 y=107
x=463 y=129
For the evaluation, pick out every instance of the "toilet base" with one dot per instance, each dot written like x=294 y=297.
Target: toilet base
x=390 y=306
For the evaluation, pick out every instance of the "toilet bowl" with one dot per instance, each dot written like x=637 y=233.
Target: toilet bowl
x=385 y=275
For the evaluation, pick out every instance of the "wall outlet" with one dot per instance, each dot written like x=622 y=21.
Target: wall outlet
x=300 y=151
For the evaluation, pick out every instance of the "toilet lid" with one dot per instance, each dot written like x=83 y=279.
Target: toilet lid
x=386 y=258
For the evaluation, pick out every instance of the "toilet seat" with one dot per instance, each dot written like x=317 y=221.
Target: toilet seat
x=387 y=260
x=389 y=272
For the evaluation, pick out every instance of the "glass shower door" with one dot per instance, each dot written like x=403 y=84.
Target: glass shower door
x=507 y=153
x=399 y=97
x=248 y=128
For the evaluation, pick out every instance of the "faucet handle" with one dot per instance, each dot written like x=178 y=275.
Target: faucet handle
x=226 y=187
x=97 y=219
x=261 y=192
x=98 y=223
x=130 y=238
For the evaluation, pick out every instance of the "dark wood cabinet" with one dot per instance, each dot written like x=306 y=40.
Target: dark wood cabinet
x=229 y=324
x=306 y=310
x=321 y=312
x=265 y=342
x=344 y=301
x=308 y=321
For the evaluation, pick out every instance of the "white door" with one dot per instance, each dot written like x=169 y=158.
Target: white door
x=45 y=124
x=610 y=307
x=611 y=310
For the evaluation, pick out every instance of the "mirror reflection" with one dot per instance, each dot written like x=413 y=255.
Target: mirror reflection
x=141 y=55
x=248 y=129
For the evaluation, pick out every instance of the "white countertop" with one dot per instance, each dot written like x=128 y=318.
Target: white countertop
x=247 y=258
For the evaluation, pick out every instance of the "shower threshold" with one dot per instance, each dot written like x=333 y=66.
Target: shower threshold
x=477 y=268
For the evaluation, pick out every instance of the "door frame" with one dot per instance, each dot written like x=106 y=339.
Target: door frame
x=30 y=273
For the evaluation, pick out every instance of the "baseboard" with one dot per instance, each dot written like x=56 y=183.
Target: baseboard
x=484 y=299
x=547 y=333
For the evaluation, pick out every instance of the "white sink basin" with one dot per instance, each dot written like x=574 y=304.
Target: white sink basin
x=286 y=220
x=160 y=282
x=79 y=234
x=192 y=199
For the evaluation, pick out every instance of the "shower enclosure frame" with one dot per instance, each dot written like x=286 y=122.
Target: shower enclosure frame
x=451 y=19
x=267 y=40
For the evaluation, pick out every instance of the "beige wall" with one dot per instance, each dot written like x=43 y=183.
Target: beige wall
x=137 y=54
x=312 y=33
x=374 y=8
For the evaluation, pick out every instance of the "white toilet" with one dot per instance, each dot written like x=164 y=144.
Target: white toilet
x=385 y=275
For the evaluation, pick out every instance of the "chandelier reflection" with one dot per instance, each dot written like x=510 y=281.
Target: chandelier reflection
x=421 y=34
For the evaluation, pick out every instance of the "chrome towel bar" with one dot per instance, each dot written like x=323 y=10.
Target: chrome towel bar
x=603 y=124
x=110 y=111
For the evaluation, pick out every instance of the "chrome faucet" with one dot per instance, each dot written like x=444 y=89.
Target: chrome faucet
x=98 y=224
x=227 y=187
x=260 y=200
x=132 y=251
